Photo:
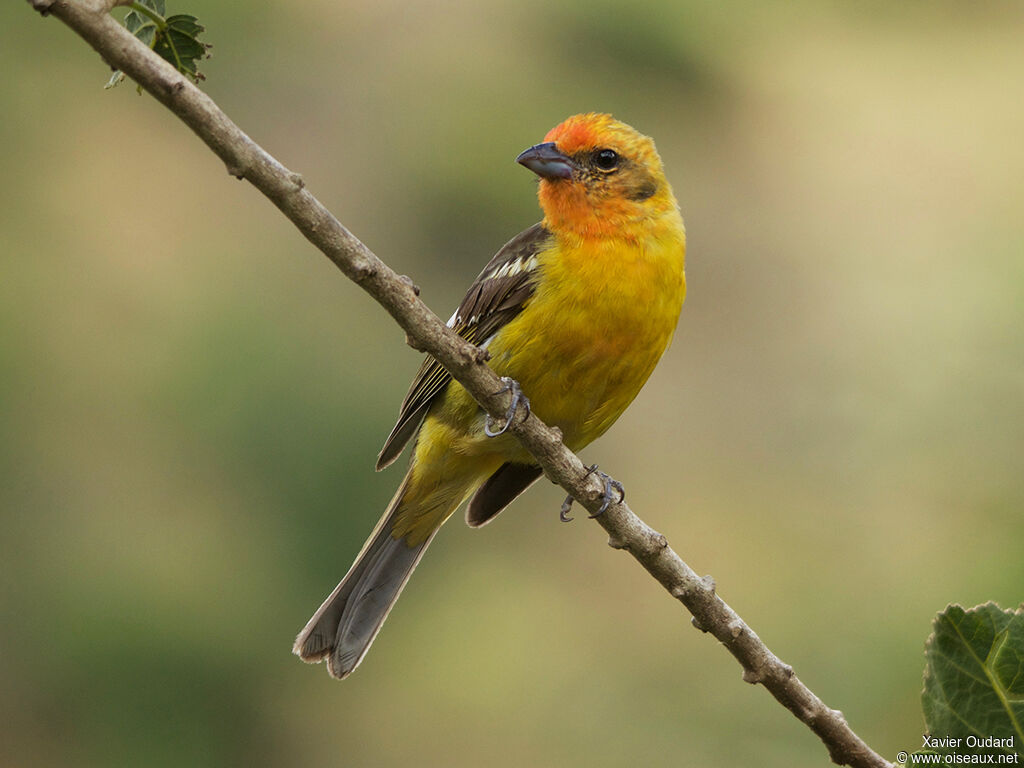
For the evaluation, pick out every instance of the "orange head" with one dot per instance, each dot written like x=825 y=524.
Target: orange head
x=599 y=177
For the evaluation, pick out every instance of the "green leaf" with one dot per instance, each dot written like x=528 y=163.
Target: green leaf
x=175 y=38
x=974 y=680
x=144 y=26
x=157 y=6
x=178 y=44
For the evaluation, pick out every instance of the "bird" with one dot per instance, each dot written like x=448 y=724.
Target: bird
x=574 y=313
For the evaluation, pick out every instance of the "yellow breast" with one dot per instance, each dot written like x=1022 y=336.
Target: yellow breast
x=603 y=314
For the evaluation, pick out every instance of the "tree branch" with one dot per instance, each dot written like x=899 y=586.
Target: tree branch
x=247 y=160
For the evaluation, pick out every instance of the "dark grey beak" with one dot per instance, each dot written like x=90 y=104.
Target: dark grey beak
x=547 y=162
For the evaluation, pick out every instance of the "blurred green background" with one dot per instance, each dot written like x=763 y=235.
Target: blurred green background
x=192 y=399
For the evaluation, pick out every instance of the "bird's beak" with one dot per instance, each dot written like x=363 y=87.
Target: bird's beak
x=547 y=162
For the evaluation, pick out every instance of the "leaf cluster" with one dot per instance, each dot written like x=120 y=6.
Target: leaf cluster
x=174 y=38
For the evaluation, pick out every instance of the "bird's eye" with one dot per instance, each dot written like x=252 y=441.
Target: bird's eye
x=607 y=159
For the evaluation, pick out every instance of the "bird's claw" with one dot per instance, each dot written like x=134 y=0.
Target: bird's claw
x=609 y=484
x=512 y=386
x=606 y=495
x=563 y=513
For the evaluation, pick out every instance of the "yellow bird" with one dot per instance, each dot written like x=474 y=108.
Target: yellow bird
x=577 y=310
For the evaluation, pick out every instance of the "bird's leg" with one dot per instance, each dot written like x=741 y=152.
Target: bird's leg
x=606 y=495
x=518 y=398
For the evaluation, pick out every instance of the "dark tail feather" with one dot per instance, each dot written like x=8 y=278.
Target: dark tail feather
x=345 y=625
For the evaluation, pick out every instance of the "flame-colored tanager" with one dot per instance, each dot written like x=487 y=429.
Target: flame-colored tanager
x=577 y=309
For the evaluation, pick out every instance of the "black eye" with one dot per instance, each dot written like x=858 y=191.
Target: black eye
x=607 y=159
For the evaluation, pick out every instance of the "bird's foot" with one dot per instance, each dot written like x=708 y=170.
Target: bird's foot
x=518 y=398
x=610 y=484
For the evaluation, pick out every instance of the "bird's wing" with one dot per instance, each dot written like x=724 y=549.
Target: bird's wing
x=497 y=295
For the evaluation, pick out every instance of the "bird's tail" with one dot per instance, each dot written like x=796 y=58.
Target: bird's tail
x=345 y=625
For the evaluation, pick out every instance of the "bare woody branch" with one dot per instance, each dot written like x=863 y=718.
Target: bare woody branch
x=245 y=159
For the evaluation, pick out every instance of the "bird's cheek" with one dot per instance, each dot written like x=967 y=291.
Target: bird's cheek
x=563 y=196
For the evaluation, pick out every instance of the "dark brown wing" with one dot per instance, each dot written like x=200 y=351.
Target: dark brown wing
x=497 y=295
